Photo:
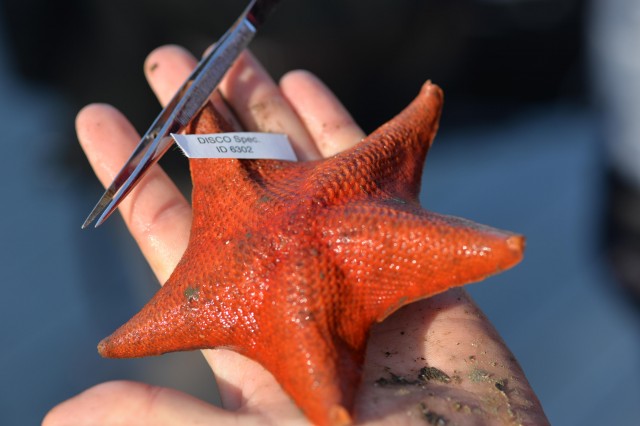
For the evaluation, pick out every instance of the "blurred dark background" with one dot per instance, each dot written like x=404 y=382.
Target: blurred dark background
x=504 y=54
x=520 y=148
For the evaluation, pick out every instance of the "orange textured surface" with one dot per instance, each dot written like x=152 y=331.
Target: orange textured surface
x=291 y=263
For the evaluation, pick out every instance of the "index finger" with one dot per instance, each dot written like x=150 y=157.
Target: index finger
x=156 y=213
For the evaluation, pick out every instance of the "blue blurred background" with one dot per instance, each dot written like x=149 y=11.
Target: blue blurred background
x=537 y=94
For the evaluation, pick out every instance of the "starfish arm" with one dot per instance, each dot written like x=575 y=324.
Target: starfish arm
x=396 y=254
x=184 y=314
x=235 y=191
x=389 y=160
x=325 y=392
x=298 y=342
x=216 y=180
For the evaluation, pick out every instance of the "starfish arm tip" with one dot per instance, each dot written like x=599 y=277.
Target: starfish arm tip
x=431 y=89
x=339 y=416
x=110 y=347
x=517 y=243
x=104 y=348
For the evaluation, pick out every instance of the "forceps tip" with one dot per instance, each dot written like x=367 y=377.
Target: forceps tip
x=99 y=210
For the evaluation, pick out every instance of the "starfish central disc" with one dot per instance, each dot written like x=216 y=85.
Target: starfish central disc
x=290 y=263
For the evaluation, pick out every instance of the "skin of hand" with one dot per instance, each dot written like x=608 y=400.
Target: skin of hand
x=484 y=384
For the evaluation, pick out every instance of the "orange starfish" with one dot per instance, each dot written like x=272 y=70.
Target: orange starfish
x=291 y=263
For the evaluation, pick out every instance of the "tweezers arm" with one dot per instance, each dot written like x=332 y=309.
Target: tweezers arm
x=185 y=104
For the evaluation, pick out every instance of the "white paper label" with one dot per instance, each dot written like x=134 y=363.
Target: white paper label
x=270 y=146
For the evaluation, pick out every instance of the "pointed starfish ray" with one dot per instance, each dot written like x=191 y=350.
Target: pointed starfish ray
x=291 y=263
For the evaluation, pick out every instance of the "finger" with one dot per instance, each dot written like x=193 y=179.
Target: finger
x=130 y=403
x=326 y=119
x=155 y=211
x=167 y=68
x=260 y=106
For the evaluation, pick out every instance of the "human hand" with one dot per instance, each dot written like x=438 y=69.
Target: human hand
x=437 y=361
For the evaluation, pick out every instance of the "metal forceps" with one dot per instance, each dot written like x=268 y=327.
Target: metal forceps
x=185 y=104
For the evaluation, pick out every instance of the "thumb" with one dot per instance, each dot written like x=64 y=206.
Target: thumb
x=136 y=404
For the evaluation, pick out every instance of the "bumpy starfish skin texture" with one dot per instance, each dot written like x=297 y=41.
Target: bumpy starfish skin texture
x=291 y=263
